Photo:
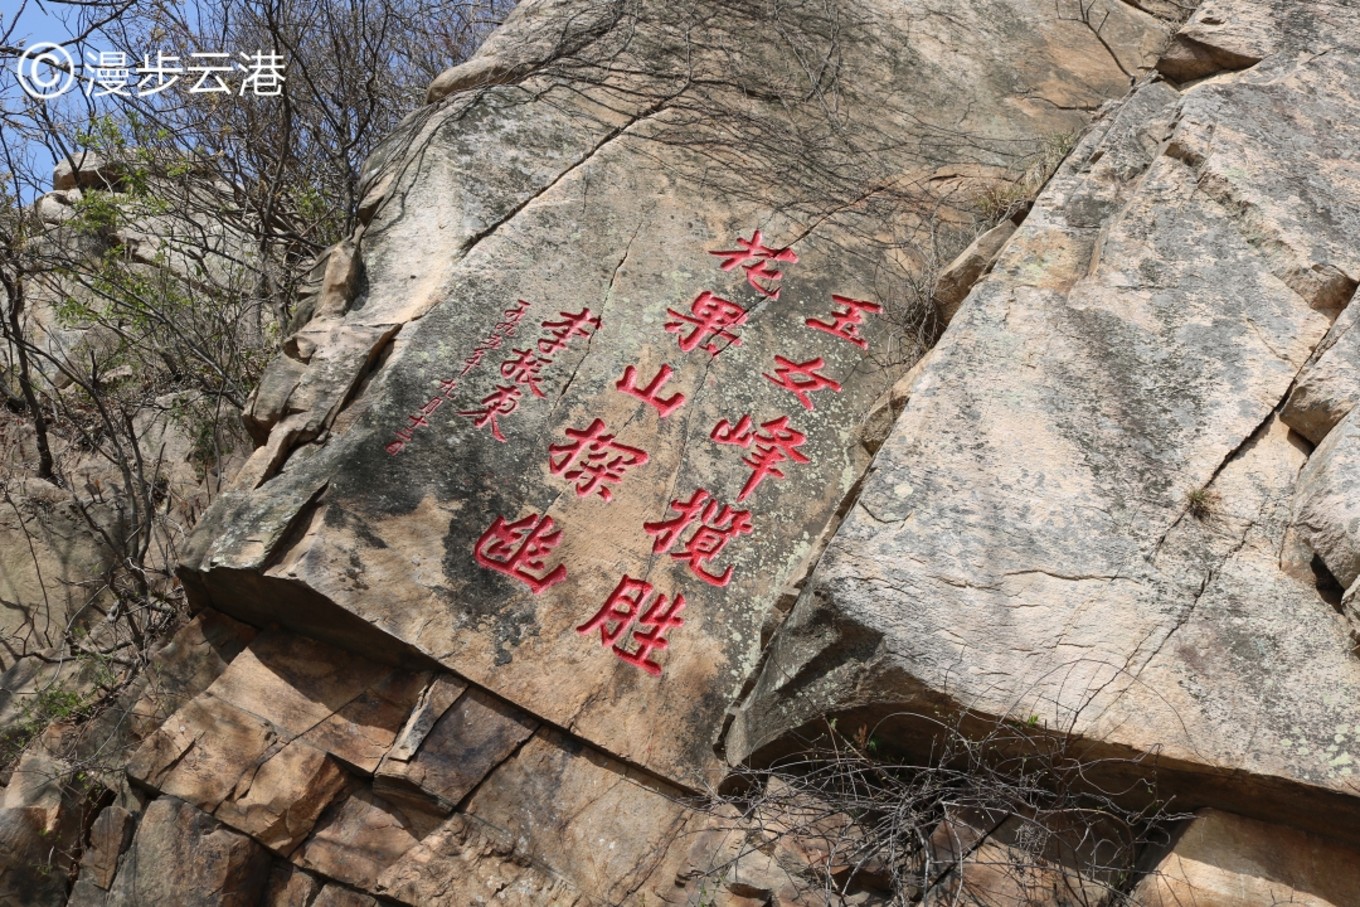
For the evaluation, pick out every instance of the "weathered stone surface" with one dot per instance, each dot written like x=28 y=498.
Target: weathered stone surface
x=1329 y=387
x=1327 y=505
x=441 y=693
x=1231 y=861
x=335 y=896
x=84 y=893
x=290 y=887
x=1051 y=859
x=782 y=855
x=1229 y=35
x=466 y=863
x=202 y=752
x=50 y=562
x=183 y=856
x=269 y=402
x=280 y=803
x=56 y=207
x=240 y=768
x=438 y=463
x=474 y=736
x=561 y=823
x=363 y=730
x=346 y=706
x=597 y=823
x=85 y=170
x=958 y=278
x=1033 y=541
x=27 y=875
x=532 y=35
x=359 y=838
x=1248 y=31
x=195 y=656
x=39 y=829
x=263 y=749
x=1350 y=609
x=46 y=801
x=109 y=836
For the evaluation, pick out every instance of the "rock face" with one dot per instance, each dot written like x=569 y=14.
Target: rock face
x=560 y=509
x=1230 y=861
x=54 y=541
x=1327 y=503
x=1328 y=387
x=596 y=397
x=1080 y=514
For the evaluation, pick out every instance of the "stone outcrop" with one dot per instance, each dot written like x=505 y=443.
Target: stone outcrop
x=1081 y=513
x=50 y=563
x=1328 y=387
x=1230 y=861
x=85 y=170
x=1327 y=502
x=608 y=455
x=584 y=420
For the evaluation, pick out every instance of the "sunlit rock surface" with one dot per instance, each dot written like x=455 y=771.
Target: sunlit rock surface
x=1086 y=512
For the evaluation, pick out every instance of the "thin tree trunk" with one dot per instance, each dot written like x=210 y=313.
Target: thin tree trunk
x=14 y=289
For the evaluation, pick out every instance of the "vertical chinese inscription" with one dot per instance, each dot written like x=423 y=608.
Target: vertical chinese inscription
x=701 y=531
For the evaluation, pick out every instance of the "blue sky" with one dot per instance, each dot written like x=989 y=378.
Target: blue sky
x=37 y=23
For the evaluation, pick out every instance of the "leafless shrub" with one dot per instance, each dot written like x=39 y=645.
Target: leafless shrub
x=1006 y=813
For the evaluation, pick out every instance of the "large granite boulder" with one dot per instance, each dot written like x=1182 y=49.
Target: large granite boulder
x=587 y=394
x=1081 y=519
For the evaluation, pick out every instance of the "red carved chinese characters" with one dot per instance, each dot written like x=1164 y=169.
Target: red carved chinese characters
x=525 y=369
x=775 y=444
x=492 y=342
x=561 y=332
x=506 y=326
x=755 y=259
x=500 y=402
x=801 y=378
x=593 y=459
x=519 y=549
x=620 y=611
x=719 y=524
x=651 y=393
x=740 y=434
x=845 y=323
x=709 y=320
x=417 y=420
x=503 y=328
